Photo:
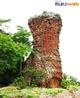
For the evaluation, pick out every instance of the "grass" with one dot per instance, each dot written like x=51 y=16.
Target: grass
x=73 y=87
x=28 y=92
x=54 y=90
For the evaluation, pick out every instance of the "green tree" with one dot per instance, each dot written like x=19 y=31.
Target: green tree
x=3 y=25
x=10 y=54
x=22 y=36
x=13 y=47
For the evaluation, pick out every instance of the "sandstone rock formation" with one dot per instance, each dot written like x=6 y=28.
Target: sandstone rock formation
x=45 y=29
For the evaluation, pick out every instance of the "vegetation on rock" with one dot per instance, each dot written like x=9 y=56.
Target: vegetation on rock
x=69 y=80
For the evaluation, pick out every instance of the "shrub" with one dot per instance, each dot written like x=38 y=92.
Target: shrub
x=20 y=82
x=33 y=76
x=78 y=83
x=68 y=80
x=73 y=87
x=65 y=83
x=54 y=90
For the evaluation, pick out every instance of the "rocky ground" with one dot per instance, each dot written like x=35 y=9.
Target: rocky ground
x=67 y=94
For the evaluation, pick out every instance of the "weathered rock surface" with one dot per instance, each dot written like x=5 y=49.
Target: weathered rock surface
x=45 y=29
x=63 y=95
x=66 y=94
x=59 y=95
x=76 y=94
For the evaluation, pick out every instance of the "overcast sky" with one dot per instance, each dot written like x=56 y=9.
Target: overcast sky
x=21 y=10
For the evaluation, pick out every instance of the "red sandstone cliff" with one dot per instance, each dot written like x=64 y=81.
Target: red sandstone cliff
x=45 y=29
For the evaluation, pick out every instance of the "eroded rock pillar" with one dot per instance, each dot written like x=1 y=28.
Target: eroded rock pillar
x=46 y=29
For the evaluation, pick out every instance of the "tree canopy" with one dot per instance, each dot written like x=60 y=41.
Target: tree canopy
x=13 y=47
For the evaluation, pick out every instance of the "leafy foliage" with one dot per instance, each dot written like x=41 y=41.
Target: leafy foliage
x=22 y=37
x=2 y=22
x=28 y=92
x=12 y=52
x=33 y=76
x=54 y=91
x=78 y=82
x=68 y=80
x=20 y=82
